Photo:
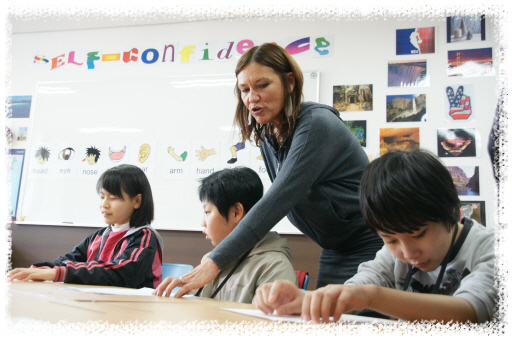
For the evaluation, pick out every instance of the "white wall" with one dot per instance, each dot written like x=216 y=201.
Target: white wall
x=362 y=49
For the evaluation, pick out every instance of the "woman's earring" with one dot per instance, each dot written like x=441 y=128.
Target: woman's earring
x=249 y=118
x=289 y=112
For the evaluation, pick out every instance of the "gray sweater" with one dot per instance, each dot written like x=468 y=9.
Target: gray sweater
x=315 y=179
x=270 y=260
x=469 y=274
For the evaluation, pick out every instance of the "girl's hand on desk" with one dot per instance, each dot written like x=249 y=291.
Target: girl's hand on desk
x=194 y=279
x=283 y=297
x=32 y=274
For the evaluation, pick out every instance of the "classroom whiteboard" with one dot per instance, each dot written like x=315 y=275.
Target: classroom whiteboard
x=82 y=128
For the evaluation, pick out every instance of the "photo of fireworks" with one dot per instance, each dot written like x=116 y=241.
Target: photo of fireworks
x=470 y=63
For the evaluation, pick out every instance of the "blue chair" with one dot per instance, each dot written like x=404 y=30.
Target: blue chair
x=306 y=281
x=175 y=270
x=302 y=278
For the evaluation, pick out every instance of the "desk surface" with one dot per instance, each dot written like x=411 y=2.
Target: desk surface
x=46 y=301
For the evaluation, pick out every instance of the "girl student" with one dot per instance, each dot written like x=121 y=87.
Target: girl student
x=126 y=253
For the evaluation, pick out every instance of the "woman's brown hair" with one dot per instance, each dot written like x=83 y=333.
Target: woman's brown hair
x=282 y=63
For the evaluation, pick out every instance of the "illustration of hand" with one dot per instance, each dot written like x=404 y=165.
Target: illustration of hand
x=460 y=104
x=204 y=153
x=182 y=157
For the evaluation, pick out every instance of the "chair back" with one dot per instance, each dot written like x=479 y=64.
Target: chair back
x=175 y=270
x=302 y=278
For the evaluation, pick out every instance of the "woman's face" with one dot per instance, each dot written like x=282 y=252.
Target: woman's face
x=262 y=92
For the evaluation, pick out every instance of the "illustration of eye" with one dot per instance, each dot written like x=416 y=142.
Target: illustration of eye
x=67 y=154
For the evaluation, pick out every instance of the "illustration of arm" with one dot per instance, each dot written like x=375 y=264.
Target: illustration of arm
x=204 y=153
x=182 y=157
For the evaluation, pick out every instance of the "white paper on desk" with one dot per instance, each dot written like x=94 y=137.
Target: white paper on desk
x=298 y=319
x=118 y=291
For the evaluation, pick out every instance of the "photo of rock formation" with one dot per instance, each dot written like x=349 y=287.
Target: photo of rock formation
x=406 y=108
x=353 y=97
x=399 y=138
x=466 y=179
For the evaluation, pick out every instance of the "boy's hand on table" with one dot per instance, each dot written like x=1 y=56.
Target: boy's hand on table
x=32 y=274
x=283 y=297
x=334 y=300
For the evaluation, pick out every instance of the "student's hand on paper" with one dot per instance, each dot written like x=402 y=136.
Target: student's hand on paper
x=283 y=297
x=204 y=153
x=334 y=300
x=194 y=279
x=32 y=274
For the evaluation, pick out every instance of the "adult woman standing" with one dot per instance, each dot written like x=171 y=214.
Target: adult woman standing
x=314 y=162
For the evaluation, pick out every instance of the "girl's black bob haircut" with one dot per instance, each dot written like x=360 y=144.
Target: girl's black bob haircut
x=402 y=191
x=231 y=185
x=132 y=181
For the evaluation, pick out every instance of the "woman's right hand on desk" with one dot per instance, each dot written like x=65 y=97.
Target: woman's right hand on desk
x=194 y=279
x=283 y=297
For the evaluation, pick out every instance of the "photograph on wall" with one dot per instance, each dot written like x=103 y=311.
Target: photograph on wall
x=18 y=106
x=473 y=210
x=457 y=102
x=456 y=142
x=358 y=128
x=405 y=73
x=465 y=179
x=465 y=28
x=415 y=41
x=22 y=133
x=353 y=97
x=470 y=62
x=15 y=159
x=406 y=108
x=399 y=138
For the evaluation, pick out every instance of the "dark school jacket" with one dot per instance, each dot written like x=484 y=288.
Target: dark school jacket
x=135 y=263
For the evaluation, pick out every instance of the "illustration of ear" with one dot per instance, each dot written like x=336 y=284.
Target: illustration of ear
x=144 y=152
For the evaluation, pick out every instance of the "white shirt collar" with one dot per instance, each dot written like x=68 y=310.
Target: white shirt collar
x=119 y=228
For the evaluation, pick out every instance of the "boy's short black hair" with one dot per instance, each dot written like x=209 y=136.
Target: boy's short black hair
x=132 y=181
x=231 y=185
x=43 y=152
x=402 y=191
x=93 y=151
